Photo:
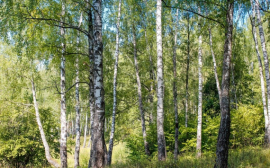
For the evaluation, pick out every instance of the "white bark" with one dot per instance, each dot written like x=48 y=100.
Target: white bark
x=42 y=134
x=160 y=86
x=266 y=68
x=91 y=80
x=139 y=88
x=63 y=140
x=151 y=71
x=72 y=128
x=175 y=90
x=78 y=113
x=215 y=66
x=222 y=149
x=85 y=131
x=199 y=127
x=89 y=134
x=187 y=74
x=99 y=151
x=116 y=55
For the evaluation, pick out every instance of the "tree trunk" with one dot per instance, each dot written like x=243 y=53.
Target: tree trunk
x=116 y=55
x=78 y=114
x=42 y=134
x=199 y=127
x=78 y=133
x=175 y=91
x=266 y=120
x=151 y=76
x=234 y=99
x=187 y=71
x=98 y=156
x=91 y=81
x=160 y=87
x=266 y=65
x=85 y=131
x=224 y=129
x=89 y=134
x=72 y=132
x=151 y=98
x=215 y=66
x=63 y=140
x=81 y=124
x=146 y=146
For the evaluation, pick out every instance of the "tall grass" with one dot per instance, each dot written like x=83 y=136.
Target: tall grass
x=250 y=157
x=253 y=157
x=119 y=155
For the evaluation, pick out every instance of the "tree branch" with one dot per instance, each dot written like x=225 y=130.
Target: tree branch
x=188 y=10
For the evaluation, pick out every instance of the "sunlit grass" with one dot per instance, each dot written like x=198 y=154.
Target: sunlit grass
x=250 y=157
x=119 y=155
x=246 y=158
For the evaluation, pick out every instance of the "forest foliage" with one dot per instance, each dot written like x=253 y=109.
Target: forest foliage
x=30 y=49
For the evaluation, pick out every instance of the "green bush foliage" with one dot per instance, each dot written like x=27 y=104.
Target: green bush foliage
x=20 y=140
x=247 y=129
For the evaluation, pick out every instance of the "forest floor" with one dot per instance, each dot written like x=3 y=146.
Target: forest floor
x=120 y=153
x=251 y=157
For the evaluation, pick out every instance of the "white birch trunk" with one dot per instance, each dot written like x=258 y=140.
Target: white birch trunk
x=215 y=66
x=85 y=131
x=81 y=124
x=261 y=72
x=72 y=130
x=146 y=146
x=199 y=127
x=77 y=124
x=160 y=86
x=91 y=81
x=99 y=151
x=187 y=72
x=42 y=134
x=234 y=100
x=266 y=67
x=175 y=91
x=151 y=75
x=78 y=113
x=63 y=140
x=116 y=55
x=225 y=121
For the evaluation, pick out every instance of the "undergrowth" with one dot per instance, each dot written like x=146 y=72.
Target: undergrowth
x=252 y=157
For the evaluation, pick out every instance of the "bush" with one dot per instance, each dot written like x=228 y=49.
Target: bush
x=20 y=140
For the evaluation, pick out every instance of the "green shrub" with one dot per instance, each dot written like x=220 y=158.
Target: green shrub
x=20 y=140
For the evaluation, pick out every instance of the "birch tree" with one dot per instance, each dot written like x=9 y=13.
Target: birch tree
x=98 y=157
x=175 y=90
x=160 y=87
x=91 y=77
x=224 y=129
x=85 y=131
x=199 y=127
x=266 y=64
x=77 y=95
x=187 y=71
x=63 y=140
x=42 y=134
x=116 y=55
x=254 y=33
x=139 y=88
x=215 y=65
x=151 y=70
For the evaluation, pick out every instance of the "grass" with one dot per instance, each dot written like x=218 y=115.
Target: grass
x=250 y=157
x=119 y=155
